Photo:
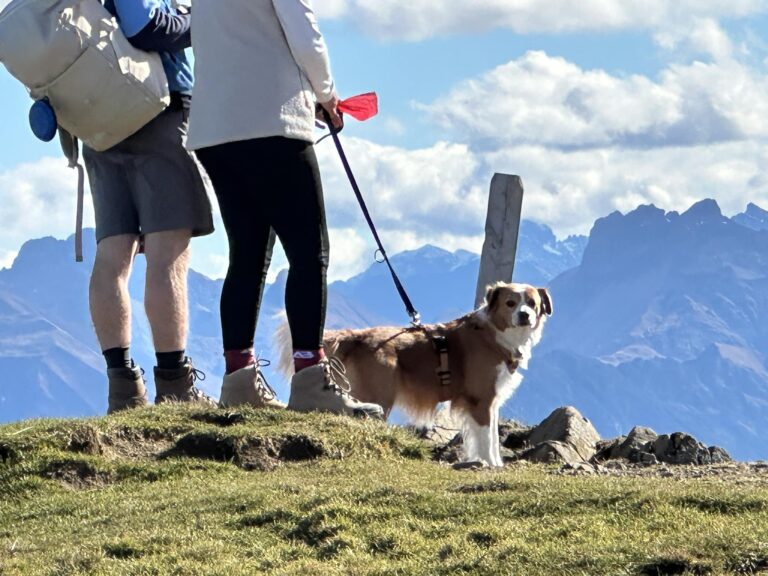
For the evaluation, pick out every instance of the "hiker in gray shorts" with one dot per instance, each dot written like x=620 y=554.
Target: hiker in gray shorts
x=148 y=190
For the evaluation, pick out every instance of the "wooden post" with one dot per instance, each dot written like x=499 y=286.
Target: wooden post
x=501 y=230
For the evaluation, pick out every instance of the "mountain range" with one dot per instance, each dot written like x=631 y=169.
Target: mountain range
x=658 y=321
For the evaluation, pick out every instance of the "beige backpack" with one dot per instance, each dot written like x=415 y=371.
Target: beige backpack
x=73 y=53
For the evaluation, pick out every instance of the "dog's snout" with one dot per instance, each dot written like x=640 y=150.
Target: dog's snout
x=525 y=317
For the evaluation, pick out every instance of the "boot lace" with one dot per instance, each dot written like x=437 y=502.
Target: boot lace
x=197 y=374
x=266 y=391
x=337 y=379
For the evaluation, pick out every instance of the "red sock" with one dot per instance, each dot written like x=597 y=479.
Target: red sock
x=238 y=359
x=306 y=358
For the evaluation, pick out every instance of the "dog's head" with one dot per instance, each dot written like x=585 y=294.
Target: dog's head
x=517 y=305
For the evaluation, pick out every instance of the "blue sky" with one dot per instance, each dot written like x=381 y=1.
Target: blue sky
x=599 y=106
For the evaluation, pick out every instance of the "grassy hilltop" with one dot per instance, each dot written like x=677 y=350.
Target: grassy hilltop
x=178 y=490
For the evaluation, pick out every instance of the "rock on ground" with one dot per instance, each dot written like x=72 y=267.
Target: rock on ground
x=567 y=437
x=568 y=426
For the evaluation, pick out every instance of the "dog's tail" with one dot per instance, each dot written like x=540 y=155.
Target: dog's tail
x=283 y=345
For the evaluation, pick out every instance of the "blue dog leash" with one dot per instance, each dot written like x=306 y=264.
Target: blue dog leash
x=412 y=312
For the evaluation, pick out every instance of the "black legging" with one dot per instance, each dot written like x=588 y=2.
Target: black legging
x=267 y=186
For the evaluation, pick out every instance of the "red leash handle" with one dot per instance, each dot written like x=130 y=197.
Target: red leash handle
x=361 y=107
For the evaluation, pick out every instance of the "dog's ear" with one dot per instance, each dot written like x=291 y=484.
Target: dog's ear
x=491 y=296
x=546 y=301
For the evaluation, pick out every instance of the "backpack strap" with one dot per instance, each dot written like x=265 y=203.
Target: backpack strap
x=71 y=148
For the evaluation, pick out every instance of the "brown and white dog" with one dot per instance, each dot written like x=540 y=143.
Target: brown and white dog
x=397 y=367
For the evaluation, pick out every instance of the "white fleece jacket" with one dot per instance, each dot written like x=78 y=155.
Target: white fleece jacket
x=259 y=66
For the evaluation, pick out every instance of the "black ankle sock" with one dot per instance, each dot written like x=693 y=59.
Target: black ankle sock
x=118 y=358
x=170 y=360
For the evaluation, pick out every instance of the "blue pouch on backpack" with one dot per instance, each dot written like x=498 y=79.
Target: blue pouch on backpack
x=42 y=120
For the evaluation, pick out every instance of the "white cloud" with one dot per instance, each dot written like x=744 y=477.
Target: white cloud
x=419 y=19
x=568 y=190
x=329 y=9
x=587 y=142
x=39 y=199
x=565 y=189
x=414 y=190
x=708 y=37
x=538 y=99
x=393 y=126
x=211 y=263
x=351 y=252
x=438 y=195
x=703 y=36
x=7 y=257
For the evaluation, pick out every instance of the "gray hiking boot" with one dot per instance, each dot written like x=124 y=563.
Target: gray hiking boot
x=325 y=388
x=248 y=386
x=178 y=385
x=126 y=389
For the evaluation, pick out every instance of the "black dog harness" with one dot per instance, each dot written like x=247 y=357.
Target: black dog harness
x=443 y=370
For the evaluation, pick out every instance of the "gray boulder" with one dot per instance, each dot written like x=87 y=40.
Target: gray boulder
x=643 y=446
x=568 y=438
x=567 y=426
x=514 y=435
x=606 y=448
x=638 y=441
x=443 y=429
x=553 y=451
x=719 y=455
x=680 y=448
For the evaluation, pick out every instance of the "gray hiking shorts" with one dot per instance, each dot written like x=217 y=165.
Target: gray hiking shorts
x=149 y=182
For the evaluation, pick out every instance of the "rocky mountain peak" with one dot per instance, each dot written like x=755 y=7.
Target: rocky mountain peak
x=704 y=212
x=753 y=217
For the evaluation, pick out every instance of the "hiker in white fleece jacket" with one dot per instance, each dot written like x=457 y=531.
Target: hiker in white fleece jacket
x=261 y=66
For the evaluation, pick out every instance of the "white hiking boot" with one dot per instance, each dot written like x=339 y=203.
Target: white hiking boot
x=248 y=386
x=325 y=388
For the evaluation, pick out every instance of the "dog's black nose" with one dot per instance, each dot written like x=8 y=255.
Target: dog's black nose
x=524 y=317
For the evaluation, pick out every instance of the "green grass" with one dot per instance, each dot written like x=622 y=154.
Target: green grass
x=174 y=490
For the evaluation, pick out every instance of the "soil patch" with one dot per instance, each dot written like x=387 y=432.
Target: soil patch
x=131 y=443
x=85 y=440
x=300 y=448
x=77 y=474
x=673 y=566
x=484 y=488
x=7 y=454
x=251 y=453
x=224 y=419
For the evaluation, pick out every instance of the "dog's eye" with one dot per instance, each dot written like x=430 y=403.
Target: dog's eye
x=511 y=303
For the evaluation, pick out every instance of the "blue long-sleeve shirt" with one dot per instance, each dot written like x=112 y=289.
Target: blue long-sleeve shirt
x=155 y=26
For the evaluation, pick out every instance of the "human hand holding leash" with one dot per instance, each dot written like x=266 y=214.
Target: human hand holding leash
x=360 y=107
x=329 y=112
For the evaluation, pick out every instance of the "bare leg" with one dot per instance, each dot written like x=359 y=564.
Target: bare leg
x=165 y=296
x=109 y=299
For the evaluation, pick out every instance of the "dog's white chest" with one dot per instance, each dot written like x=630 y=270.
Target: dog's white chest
x=520 y=340
x=506 y=383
